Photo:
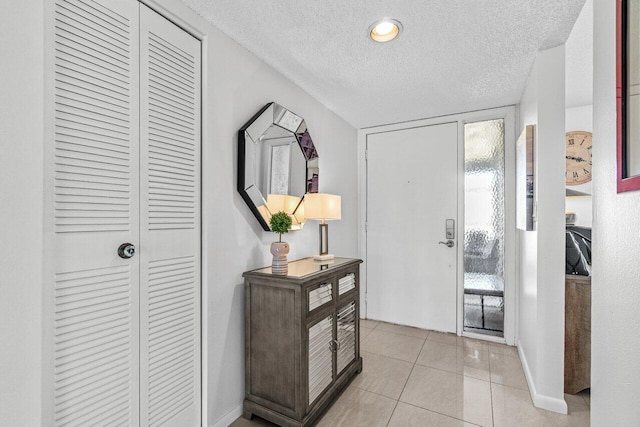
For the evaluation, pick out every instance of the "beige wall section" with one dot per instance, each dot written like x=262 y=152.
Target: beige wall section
x=21 y=204
x=615 y=313
x=541 y=263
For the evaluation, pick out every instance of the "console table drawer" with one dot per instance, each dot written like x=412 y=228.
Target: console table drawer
x=319 y=295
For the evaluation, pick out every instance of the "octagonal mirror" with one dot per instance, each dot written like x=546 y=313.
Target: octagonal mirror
x=277 y=164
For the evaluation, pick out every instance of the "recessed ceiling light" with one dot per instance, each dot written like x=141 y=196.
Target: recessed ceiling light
x=385 y=30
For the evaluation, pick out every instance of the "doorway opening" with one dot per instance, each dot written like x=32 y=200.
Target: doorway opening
x=484 y=227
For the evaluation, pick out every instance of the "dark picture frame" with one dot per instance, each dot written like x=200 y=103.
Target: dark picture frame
x=625 y=180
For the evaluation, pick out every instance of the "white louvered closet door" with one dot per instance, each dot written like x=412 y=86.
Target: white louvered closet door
x=95 y=207
x=125 y=169
x=170 y=223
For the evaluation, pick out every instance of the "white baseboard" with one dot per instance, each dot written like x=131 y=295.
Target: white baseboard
x=539 y=400
x=230 y=417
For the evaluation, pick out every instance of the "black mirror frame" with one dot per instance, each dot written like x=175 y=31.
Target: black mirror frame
x=310 y=153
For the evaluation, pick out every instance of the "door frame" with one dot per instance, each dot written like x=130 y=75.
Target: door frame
x=508 y=114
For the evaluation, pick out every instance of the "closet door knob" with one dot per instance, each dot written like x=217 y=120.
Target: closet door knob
x=126 y=250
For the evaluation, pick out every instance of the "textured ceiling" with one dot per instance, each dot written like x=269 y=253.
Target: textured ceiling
x=453 y=56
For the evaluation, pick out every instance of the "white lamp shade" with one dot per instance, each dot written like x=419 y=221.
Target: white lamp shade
x=282 y=203
x=322 y=206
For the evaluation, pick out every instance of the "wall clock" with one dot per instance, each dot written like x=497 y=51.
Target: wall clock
x=578 y=157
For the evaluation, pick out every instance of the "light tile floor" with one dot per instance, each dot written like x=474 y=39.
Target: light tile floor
x=412 y=377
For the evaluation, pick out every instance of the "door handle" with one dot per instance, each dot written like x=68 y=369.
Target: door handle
x=449 y=243
x=126 y=250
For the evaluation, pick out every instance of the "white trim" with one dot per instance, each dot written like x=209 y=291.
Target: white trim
x=508 y=113
x=230 y=417
x=204 y=227
x=539 y=400
x=459 y=236
x=48 y=254
x=478 y=336
x=170 y=13
x=362 y=217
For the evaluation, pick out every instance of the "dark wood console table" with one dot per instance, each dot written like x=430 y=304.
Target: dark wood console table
x=577 y=333
x=302 y=345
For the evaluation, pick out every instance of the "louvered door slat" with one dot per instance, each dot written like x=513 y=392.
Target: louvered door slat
x=109 y=130
x=346 y=336
x=320 y=358
x=90 y=355
x=96 y=117
x=95 y=202
x=170 y=220
x=319 y=296
x=346 y=283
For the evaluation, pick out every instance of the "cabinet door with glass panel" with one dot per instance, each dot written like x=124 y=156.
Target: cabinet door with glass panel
x=332 y=338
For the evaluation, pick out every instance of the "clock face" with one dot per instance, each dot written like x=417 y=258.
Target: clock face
x=578 y=157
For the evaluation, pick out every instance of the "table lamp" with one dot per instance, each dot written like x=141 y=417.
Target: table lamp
x=289 y=204
x=324 y=207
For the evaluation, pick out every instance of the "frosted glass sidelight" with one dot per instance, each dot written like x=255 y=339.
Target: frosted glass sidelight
x=484 y=226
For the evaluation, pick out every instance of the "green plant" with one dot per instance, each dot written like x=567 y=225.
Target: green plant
x=280 y=223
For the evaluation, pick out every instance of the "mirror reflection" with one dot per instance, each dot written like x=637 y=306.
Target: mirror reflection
x=278 y=164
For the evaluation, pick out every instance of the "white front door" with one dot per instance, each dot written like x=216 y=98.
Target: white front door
x=412 y=190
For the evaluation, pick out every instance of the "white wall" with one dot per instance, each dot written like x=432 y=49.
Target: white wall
x=579 y=99
x=615 y=313
x=580 y=118
x=541 y=266
x=237 y=84
x=527 y=279
x=579 y=59
x=21 y=135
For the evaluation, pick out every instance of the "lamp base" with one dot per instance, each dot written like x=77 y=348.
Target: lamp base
x=325 y=257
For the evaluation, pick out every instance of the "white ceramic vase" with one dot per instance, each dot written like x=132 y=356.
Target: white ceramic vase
x=280 y=250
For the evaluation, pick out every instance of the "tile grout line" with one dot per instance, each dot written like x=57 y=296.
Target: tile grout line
x=442 y=370
x=487 y=350
x=376 y=322
x=493 y=415
x=389 y=357
x=440 y=413
x=407 y=380
x=455 y=373
x=488 y=344
x=507 y=385
x=517 y=388
x=398 y=334
x=419 y=407
x=424 y=366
